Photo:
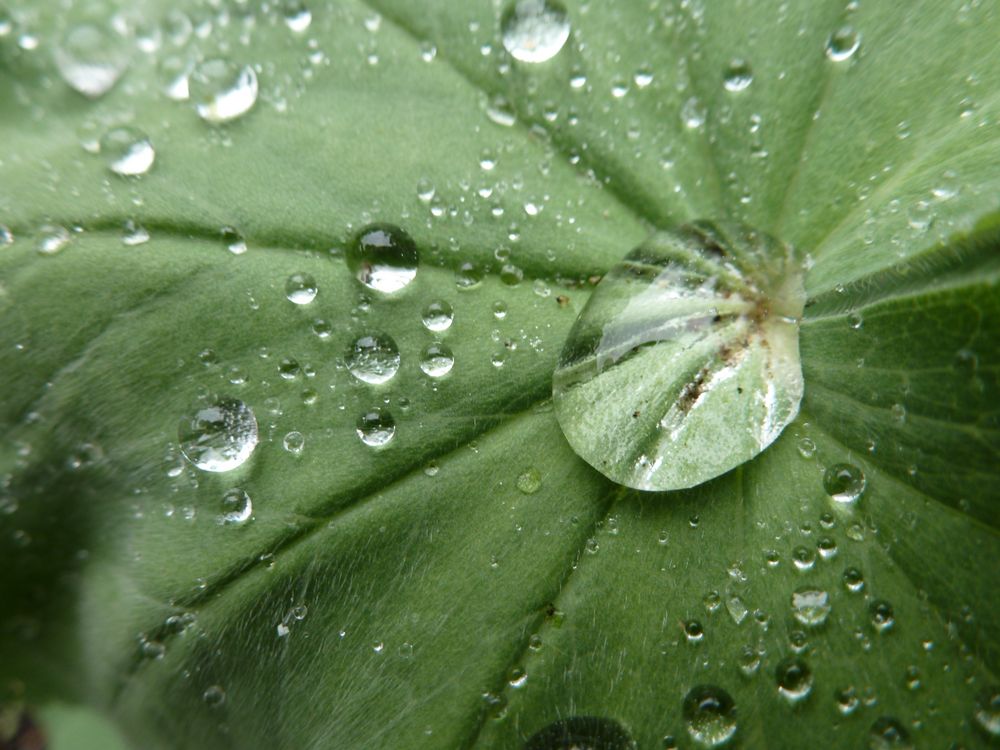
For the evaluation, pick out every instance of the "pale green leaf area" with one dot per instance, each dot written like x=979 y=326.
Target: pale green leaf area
x=474 y=581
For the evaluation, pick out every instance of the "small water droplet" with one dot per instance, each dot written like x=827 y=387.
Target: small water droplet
x=128 y=151
x=214 y=696
x=845 y=483
x=807 y=447
x=811 y=606
x=534 y=31
x=738 y=76
x=882 y=616
x=237 y=507
x=294 y=442
x=6 y=236
x=709 y=715
x=222 y=90
x=803 y=558
x=133 y=234
x=438 y=316
x=376 y=428
x=986 y=712
x=91 y=58
x=383 y=257
x=296 y=15
x=52 y=238
x=373 y=358
x=437 y=360
x=843 y=43
x=693 y=631
x=847 y=700
x=693 y=114
x=468 y=275
x=888 y=734
x=301 y=288
x=794 y=679
x=219 y=437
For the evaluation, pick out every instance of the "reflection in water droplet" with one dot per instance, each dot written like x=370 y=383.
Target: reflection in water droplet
x=794 y=679
x=534 y=31
x=810 y=606
x=581 y=733
x=128 y=152
x=222 y=90
x=301 y=288
x=843 y=43
x=438 y=316
x=376 y=428
x=709 y=715
x=845 y=483
x=383 y=257
x=237 y=507
x=219 y=437
x=91 y=58
x=738 y=76
x=373 y=358
x=437 y=360
x=888 y=733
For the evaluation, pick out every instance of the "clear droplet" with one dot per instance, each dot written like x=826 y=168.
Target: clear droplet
x=887 y=733
x=297 y=16
x=438 y=316
x=529 y=481
x=437 y=360
x=128 y=152
x=91 y=58
x=6 y=236
x=845 y=483
x=222 y=90
x=468 y=275
x=219 y=437
x=376 y=428
x=294 y=442
x=214 y=696
x=986 y=712
x=738 y=76
x=811 y=606
x=301 y=288
x=709 y=715
x=847 y=700
x=534 y=31
x=52 y=238
x=882 y=615
x=383 y=257
x=794 y=679
x=843 y=43
x=373 y=358
x=237 y=508
x=134 y=234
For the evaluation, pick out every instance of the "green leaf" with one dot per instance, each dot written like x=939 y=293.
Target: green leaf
x=473 y=583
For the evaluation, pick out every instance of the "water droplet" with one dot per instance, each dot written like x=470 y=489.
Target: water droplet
x=737 y=608
x=425 y=190
x=843 y=43
x=794 y=679
x=693 y=631
x=693 y=114
x=214 y=696
x=803 y=558
x=301 y=288
x=128 y=152
x=133 y=234
x=534 y=31
x=383 y=257
x=6 y=236
x=709 y=715
x=234 y=240
x=237 y=507
x=297 y=16
x=294 y=442
x=218 y=437
x=468 y=275
x=581 y=733
x=807 y=448
x=529 y=481
x=986 y=712
x=845 y=483
x=373 y=358
x=222 y=90
x=91 y=58
x=738 y=76
x=811 y=606
x=847 y=701
x=888 y=734
x=52 y=238
x=882 y=616
x=695 y=319
x=376 y=428
x=438 y=316
x=437 y=360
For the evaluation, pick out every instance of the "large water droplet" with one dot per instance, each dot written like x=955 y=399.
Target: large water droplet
x=534 y=31
x=685 y=361
x=301 y=288
x=237 y=508
x=794 y=679
x=383 y=257
x=373 y=358
x=437 y=360
x=376 y=428
x=581 y=733
x=810 y=606
x=91 y=58
x=738 y=76
x=128 y=152
x=218 y=437
x=845 y=483
x=438 y=316
x=222 y=90
x=709 y=715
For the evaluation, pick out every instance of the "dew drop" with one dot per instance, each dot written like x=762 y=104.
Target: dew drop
x=854 y=581
x=52 y=238
x=847 y=701
x=534 y=31
x=888 y=734
x=843 y=43
x=133 y=234
x=438 y=316
x=794 y=679
x=6 y=236
x=709 y=715
x=581 y=733
x=214 y=696
x=91 y=58
x=373 y=358
x=986 y=712
x=693 y=114
x=376 y=428
x=468 y=275
x=882 y=616
x=529 y=481
x=237 y=508
x=437 y=360
x=296 y=15
x=383 y=257
x=301 y=288
x=693 y=631
x=845 y=483
x=803 y=558
x=219 y=437
x=128 y=152
x=222 y=90
x=738 y=76
x=811 y=606
x=294 y=442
